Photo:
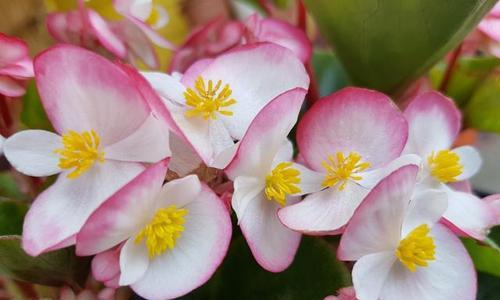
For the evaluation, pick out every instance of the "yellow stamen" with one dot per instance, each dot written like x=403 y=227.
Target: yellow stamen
x=341 y=169
x=153 y=17
x=80 y=151
x=445 y=165
x=282 y=181
x=417 y=248
x=207 y=100
x=163 y=230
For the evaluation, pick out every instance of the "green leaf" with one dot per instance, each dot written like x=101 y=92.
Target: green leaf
x=12 y=216
x=386 y=44
x=61 y=267
x=468 y=75
x=9 y=187
x=483 y=110
x=486 y=259
x=329 y=73
x=33 y=115
x=314 y=274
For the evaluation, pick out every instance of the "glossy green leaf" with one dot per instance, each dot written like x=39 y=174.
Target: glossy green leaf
x=61 y=267
x=329 y=73
x=486 y=259
x=314 y=274
x=33 y=115
x=483 y=110
x=386 y=44
x=12 y=216
x=468 y=75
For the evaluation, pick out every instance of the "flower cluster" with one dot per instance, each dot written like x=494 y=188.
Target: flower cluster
x=389 y=181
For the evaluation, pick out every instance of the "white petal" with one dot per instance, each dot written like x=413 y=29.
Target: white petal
x=31 y=152
x=310 y=181
x=179 y=192
x=372 y=177
x=134 y=262
x=246 y=189
x=470 y=159
x=370 y=272
x=285 y=153
x=426 y=207
x=149 y=143
x=184 y=159
x=166 y=86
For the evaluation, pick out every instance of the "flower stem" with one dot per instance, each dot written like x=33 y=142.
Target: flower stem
x=450 y=68
x=7 y=118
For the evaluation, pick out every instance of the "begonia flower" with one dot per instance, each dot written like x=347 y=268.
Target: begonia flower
x=15 y=66
x=174 y=236
x=350 y=139
x=347 y=293
x=216 y=100
x=400 y=248
x=489 y=27
x=264 y=178
x=105 y=132
x=129 y=38
x=434 y=123
x=494 y=203
x=219 y=36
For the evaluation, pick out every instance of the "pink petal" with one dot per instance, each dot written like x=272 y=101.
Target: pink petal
x=192 y=73
x=22 y=69
x=272 y=244
x=490 y=27
x=139 y=46
x=11 y=87
x=353 y=119
x=434 y=122
x=494 y=202
x=468 y=213
x=106 y=265
x=450 y=276
x=376 y=225
x=266 y=134
x=105 y=35
x=280 y=33
x=11 y=50
x=136 y=198
x=82 y=91
x=61 y=210
x=197 y=254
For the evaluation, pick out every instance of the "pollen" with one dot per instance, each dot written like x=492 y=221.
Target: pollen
x=163 y=231
x=282 y=181
x=445 y=166
x=208 y=100
x=80 y=152
x=417 y=248
x=340 y=169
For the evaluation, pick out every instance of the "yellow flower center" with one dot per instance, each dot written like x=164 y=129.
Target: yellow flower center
x=208 y=100
x=80 y=152
x=445 y=165
x=282 y=181
x=163 y=230
x=340 y=169
x=154 y=16
x=417 y=248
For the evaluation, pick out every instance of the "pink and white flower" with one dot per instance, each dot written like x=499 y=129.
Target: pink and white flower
x=220 y=36
x=489 y=30
x=174 y=236
x=15 y=66
x=215 y=101
x=130 y=38
x=105 y=132
x=434 y=123
x=347 y=293
x=265 y=178
x=350 y=139
x=401 y=250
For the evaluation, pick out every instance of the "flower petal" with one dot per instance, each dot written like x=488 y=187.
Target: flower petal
x=376 y=225
x=255 y=75
x=434 y=122
x=272 y=244
x=123 y=214
x=370 y=273
x=372 y=178
x=266 y=134
x=82 y=91
x=324 y=211
x=31 y=152
x=310 y=181
x=246 y=190
x=11 y=49
x=426 y=207
x=180 y=192
x=470 y=159
x=149 y=143
x=184 y=159
x=105 y=35
x=450 y=276
x=166 y=86
x=61 y=210
x=11 y=87
x=353 y=119
x=197 y=253
x=134 y=262
x=468 y=213
x=106 y=265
